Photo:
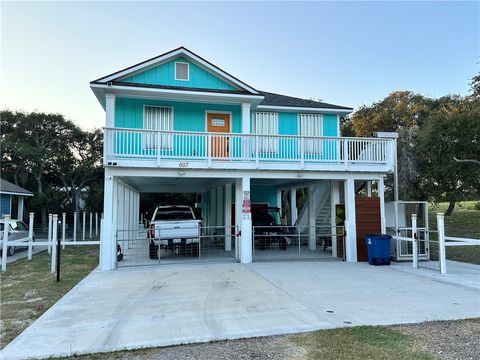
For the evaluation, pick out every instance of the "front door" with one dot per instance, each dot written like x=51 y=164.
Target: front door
x=219 y=123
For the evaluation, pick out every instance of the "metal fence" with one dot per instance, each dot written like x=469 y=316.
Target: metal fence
x=295 y=242
x=213 y=244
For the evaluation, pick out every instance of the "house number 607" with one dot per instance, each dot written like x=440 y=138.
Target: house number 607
x=183 y=164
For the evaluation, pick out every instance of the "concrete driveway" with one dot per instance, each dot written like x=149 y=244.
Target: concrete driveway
x=166 y=305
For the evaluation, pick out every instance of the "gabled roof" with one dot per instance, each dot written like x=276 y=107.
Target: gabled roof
x=6 y=187
x=272 y=99
x=162 y=58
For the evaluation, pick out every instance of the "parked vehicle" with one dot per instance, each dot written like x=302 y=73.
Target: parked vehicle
x=17 y=231
x=174 y=228
x=267 y=228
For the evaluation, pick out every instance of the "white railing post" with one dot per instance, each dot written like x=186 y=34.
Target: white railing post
x=91 y=225
x=49 y=240
x=54 y=242
x=256 y=151
x=96 y=224
x=441 y=243
x=302 y=151
x=83 y=225
x=209 y=150
x=6 y=227
x=64 y=221
x=30 y=235
x=414 y=241
x=158 y=146
x=345 y=152
x=75 y=226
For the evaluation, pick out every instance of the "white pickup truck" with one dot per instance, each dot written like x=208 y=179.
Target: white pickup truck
x=174 y=228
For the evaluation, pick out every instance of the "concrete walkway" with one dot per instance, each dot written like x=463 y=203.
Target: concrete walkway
x=166 y=305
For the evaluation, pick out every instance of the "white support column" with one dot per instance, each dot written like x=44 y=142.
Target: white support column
x=293 y=206
x=91 y=225
x=108 y=243
x=312 y=231
x=246 y=226
x=96 y=224
x=369 y=188
x=220 y=205
x=441 y=243
x=350 y=221
x=20 y=208
x=381 y=195
x=279 y=202
x=6 y=228
x=228 y=217
x=110 y=110
x=334 y=199
x=30 y=235
x=213 y=209
x=49 y=235
x=238 y=215
x=246 y=130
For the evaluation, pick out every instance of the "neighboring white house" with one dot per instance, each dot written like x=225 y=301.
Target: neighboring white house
x=178 y=123
x=10 y=194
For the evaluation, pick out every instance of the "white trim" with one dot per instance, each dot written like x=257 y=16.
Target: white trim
x=14 y=193
x=338 y=126
x=188 y=70
x=158 y=60
x=155 y=93
x=302 y=109
x=229 y=113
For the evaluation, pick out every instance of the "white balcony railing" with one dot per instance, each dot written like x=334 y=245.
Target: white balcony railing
x=131 y=144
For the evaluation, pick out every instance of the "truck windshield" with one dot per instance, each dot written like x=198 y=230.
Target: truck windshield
x=174 y=214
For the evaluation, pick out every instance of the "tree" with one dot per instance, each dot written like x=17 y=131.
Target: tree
x=450 y=134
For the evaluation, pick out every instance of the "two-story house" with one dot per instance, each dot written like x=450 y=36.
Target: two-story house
x=178 y=123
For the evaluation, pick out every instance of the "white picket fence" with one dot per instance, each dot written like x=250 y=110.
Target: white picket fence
x=443 y=242
x=52 y=236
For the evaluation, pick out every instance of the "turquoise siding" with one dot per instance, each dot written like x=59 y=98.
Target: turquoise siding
x=164 y=74
x=330 y=125
x=264 y=194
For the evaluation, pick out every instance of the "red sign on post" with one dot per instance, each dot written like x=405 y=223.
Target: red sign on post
x=246 y=207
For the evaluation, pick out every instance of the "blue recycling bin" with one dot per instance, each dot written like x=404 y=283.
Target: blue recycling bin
x=378 y=247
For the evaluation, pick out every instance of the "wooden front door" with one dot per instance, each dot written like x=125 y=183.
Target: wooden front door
x=219 y=123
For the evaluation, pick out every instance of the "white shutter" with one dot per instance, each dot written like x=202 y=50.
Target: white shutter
x=266 y=123
x=158 y=118
x=311 y=125
x=181 y=71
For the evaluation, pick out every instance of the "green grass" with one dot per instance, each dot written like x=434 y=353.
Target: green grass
x=463 y=222
x=363 y=342
x=28 y=288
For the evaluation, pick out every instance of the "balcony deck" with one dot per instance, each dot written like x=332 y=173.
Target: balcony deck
x=201 y=150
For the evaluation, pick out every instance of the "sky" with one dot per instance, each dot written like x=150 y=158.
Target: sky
x=346 y=53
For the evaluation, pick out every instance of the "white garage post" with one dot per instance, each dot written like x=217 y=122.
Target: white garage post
x=414 y=241
x=30 y=235
x=83 y=225
x=246 y=228
x=381 y=195
x=441 y=243
x=238 y=216
x=64 y=225
x=312 y=238
x=107 y=226
x=350 y=219
x=49 y=235
x=75 y=226
x=228 y=217
x=334 y=199
x=293 y=206
x=54 y=242
x=6 y=227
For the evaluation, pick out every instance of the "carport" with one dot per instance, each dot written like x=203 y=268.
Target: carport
x=226 y=199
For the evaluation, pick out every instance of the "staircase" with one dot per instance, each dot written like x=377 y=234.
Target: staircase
x=321 y=199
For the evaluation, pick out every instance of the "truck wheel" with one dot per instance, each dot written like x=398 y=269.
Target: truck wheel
x=153 y=251
x=10 y=251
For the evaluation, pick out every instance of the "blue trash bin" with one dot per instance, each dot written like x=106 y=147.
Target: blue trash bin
x=378 y=247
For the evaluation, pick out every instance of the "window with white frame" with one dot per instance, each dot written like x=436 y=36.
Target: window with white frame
x=311 y=125
x=158 y=118
x=182 y=71
x=266 y=123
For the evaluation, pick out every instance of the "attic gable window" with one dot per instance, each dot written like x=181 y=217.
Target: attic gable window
x=182 y=71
